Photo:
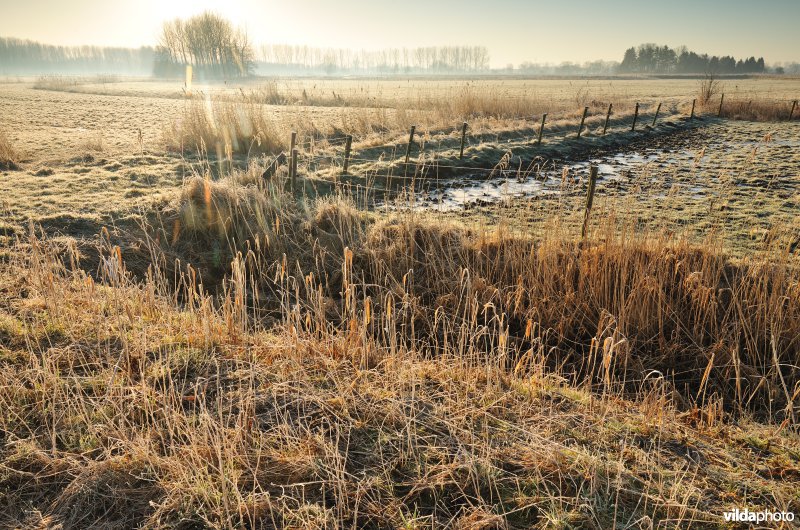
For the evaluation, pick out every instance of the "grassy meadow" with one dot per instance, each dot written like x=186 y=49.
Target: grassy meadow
x=191 y=338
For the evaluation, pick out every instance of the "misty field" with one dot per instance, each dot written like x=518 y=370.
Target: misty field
x=199 y=329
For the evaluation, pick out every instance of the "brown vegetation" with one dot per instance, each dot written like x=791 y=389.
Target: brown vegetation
x=9 y=155
x=222 y=128
x=758 y=110
x=395 y=373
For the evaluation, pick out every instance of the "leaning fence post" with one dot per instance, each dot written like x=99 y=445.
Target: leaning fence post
x=721 y=100
x=347 y=145
x=658 y=109
x=463 y=139
x=608 y=117
x=541 y=129
x=589 y=199
x=691 y=116
x=583 y=119
x=635 y=117
x=791 y=112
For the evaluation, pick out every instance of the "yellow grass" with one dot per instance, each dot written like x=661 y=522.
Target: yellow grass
x=9 y=156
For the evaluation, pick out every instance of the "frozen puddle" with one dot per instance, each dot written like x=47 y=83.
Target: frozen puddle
x=762 y=156
x=472 y=190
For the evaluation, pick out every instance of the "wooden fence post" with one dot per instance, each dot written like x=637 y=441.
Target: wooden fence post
x=410 y=141
x=721 y=100
x=463 y=139
x=541 y=129
x=294 y=169
x=608 y=116
x=583 y=119
x=658 y=109
x=791 y=112
x=292 y=150
x=691 y=116
x=589 y=199
x=635 y=116
x=347 y=146
x=408 y=148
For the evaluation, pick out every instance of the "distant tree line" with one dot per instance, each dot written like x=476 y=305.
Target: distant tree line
x=654 y=59
x=26 y=57
x=391 y=60
x=567 y=68
x=209 y=43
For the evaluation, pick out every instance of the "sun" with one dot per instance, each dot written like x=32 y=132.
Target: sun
x=173 y=9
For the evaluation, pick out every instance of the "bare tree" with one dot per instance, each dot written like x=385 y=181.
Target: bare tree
x=208 y=42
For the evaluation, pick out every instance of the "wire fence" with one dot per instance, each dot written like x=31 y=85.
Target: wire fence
x=399 y=156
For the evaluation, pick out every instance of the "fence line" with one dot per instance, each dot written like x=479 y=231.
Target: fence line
x=297 y=153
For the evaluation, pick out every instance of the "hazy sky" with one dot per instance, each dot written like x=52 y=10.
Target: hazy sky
x=513 y=30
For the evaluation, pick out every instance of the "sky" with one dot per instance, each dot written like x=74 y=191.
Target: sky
x=513 y=30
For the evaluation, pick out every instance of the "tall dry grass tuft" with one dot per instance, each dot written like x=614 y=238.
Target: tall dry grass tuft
x=10 y=157
x=214 y=221
x=469 y=102
x=224 y=128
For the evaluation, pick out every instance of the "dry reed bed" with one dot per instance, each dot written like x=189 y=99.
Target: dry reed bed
x=627 y=305
x=121 y=409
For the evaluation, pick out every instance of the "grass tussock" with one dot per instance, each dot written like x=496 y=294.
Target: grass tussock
x=370 y=115
x=712 y=328
x=10 y=157
x=224 y=128
x=216 y=220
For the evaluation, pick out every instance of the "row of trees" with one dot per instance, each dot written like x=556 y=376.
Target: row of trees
x=26 y=57
x=651 y=58
x=567 y=68
x=390 y=60
x=208 y=42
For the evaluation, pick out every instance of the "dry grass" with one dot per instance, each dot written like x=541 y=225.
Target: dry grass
x=223 y=128
x=396 y=373
x=66 y=83
x=9 y=155
x=758 y=110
